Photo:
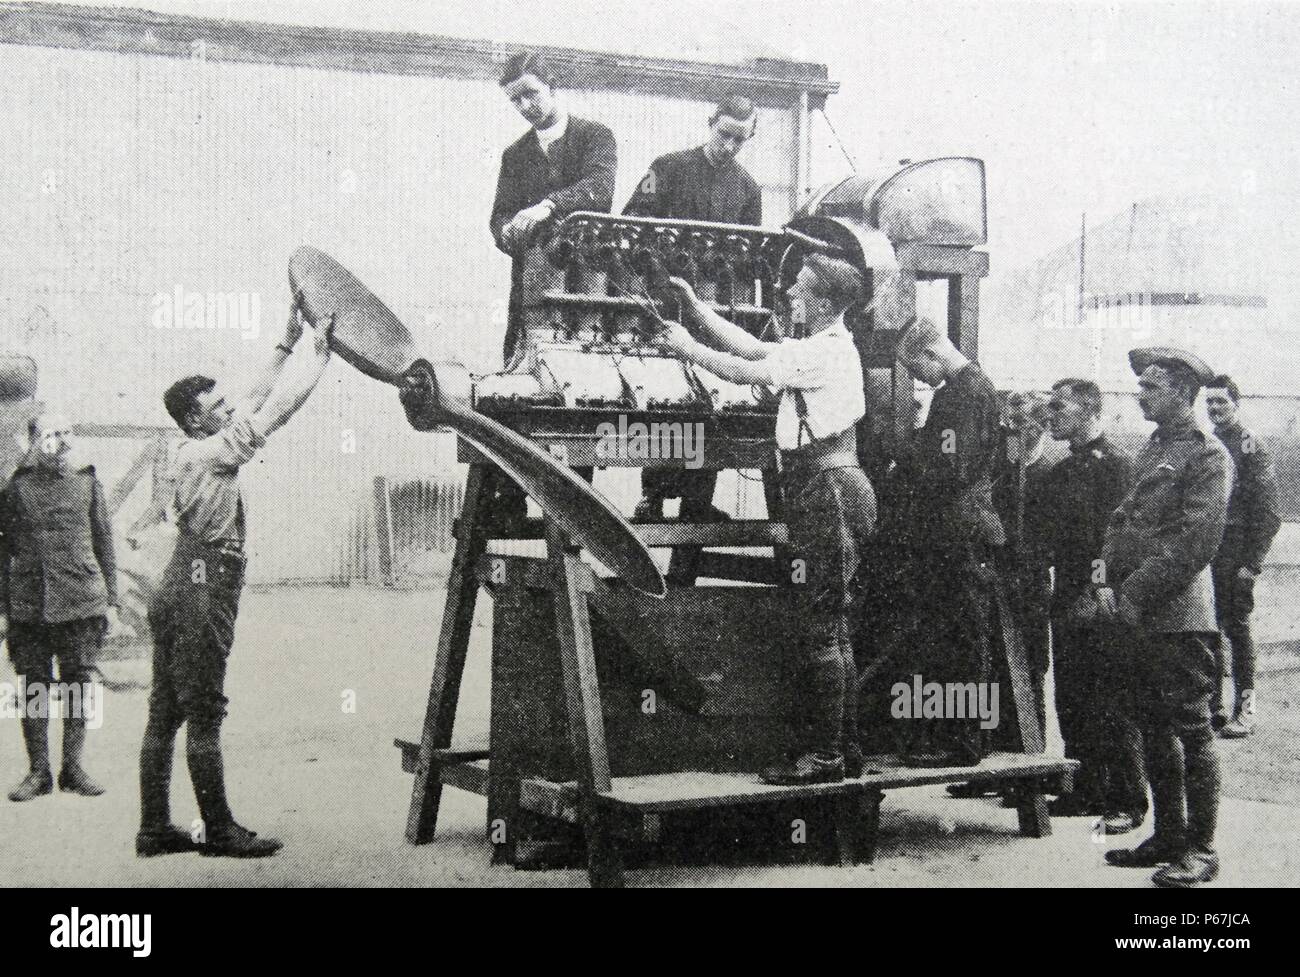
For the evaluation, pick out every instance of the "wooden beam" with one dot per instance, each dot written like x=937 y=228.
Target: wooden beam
x=772 y=82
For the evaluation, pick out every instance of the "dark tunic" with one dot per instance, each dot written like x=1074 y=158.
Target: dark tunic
x=1162 y=537
x=1253 y=518
x=576 y=173
x=686 y=186
x=1092 y=680
x=951 y=477
x=1077 y=497
x=56 y=547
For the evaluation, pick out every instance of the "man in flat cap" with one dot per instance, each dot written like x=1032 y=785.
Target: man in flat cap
x=1253 y=521
x=1155 y=584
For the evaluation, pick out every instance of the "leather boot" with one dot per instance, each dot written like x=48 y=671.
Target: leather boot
x=156 y=773
x=36 y=734
x=72 y=778
x=1201 y=763
x=1165 y=773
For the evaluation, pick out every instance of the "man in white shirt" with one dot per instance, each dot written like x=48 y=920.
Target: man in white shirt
x=830 y=507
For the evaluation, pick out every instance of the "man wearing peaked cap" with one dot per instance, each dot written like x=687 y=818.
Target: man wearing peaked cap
x=1168 y=356
x=1156 y=591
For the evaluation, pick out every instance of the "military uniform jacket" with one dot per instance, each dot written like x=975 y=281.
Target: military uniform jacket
x=686 y=186
x=1161 y=539
x=1076 y=500
x=56 y=546
x=1253 y=518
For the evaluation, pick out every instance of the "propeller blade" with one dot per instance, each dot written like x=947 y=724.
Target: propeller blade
x=582 y=512
x=371 y=338
x=366 y=333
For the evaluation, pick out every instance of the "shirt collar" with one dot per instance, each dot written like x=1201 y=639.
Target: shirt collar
x=556 y=129
x=1229 y=431
x=1177 y=430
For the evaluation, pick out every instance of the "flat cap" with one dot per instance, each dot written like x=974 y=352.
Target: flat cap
x=1146 y=356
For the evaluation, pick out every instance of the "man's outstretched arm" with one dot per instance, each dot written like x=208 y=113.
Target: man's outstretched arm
x=286 y=398
x=716 y=330
x=270 y=372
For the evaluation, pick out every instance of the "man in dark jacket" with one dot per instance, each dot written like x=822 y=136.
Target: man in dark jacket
x=952 y=534
x=701 y=184
x=1157 y=587
x=58 y=586
x=562 y=164
x=1253 y=521
x=1093 y=701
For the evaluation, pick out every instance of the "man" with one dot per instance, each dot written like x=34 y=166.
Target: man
x=561 y=164
x=701 y=184
x=830 y=506
x=193 y=611
x=58 y=589
x=1156 y=567
x=1253 y=521
x=1092 y=685
x=952 y=534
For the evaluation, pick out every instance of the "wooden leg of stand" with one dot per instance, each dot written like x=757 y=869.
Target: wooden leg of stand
x=585 y=712
x=1022 y=684
x=871 y=824
x=1031 y=806
x=453 y=647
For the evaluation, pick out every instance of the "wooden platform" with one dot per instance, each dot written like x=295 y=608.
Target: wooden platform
x=639 y=802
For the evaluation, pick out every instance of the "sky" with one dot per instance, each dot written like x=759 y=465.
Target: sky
x=1075 y=107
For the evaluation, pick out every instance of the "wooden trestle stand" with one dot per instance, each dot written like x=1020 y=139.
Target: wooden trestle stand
x=619 y=715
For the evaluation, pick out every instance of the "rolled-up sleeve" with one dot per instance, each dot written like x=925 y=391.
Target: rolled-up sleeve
x=794 y=365
x=232 y=446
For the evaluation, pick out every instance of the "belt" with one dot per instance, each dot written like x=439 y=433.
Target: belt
x=838 y=451
x=231 y=549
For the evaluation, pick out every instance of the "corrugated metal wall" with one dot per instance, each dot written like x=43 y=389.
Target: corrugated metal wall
x=130 y=177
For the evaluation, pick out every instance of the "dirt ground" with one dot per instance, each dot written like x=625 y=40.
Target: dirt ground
x=321 y=681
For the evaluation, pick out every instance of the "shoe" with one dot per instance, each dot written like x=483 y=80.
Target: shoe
x=77 y=781
x=811 y=768
x=1121 y=822
x=1194 y=868
x=1073 y=806
x=971 y=791
x=35 y=784
x=1149 y=854
x=649 y=510
x=235 y=841
x=711 y=513
x=170 y=840
x=1239 y=728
